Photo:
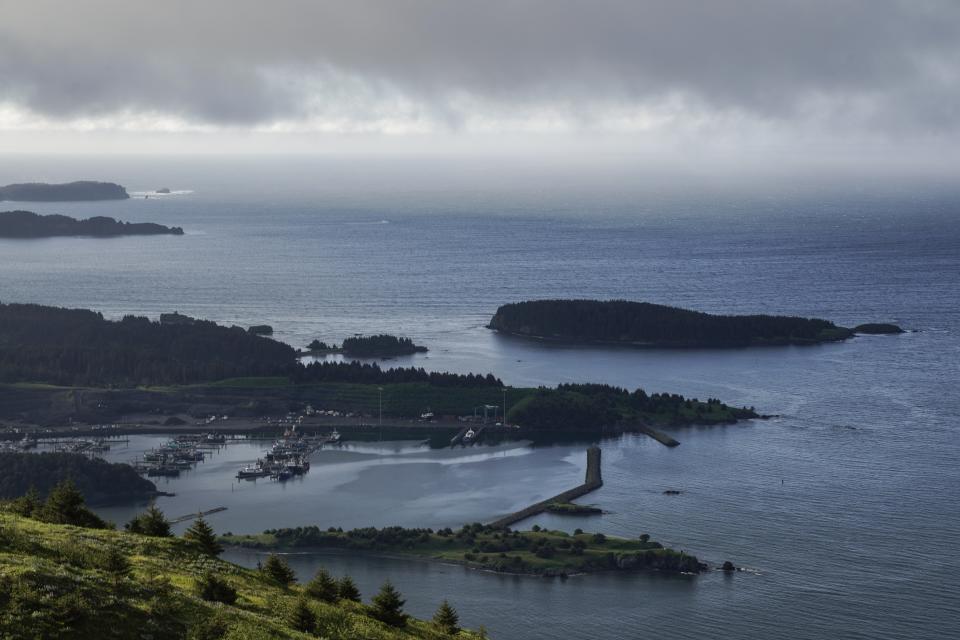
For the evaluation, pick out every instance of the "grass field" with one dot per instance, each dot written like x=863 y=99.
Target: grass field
x=60 y=581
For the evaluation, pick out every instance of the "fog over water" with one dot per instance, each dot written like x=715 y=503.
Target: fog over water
x=844 y=507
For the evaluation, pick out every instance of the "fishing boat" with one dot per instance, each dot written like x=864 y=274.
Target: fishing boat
x=163 y=471
x=284 y=474
x=252 y=471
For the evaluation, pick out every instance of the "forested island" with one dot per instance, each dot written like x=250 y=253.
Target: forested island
x=261 y=330
x=65 y=573
x=534 y=552
x=100 y=482
x=643 y=324
x=26 y=224
x=380 y=346
x=58 y=365
x=80 y=191
x=377 y=346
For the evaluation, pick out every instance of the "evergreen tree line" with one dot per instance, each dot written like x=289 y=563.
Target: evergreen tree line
x=371 y=373
x=63 y=505
x=638 y=400
x=80 y=347
x=97 y=480
x=646 y=323
x=379 y=345
x=364 y=538
x=584 y=407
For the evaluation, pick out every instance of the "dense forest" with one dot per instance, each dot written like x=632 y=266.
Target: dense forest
x=83 y=190
x=26 y=224
x=76 y=347
x=380 y=346
x=361 y=373
x=645 y=324
x=592 y=407
x=98 y=481
x=80 y=347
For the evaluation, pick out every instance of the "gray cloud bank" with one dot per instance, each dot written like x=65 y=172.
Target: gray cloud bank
x=878 y=65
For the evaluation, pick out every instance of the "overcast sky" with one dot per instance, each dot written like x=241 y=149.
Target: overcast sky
x=854 y=77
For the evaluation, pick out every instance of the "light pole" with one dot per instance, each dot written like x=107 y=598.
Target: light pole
x=504 y=418
x=380 y=404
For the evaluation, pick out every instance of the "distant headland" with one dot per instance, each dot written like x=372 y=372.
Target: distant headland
x=26 y=224
x=83 y=190
x=643 y=324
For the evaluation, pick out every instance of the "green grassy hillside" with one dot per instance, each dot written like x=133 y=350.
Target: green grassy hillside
x=59 y=581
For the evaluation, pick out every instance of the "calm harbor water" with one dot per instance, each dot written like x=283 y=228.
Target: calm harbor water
x=845 y=507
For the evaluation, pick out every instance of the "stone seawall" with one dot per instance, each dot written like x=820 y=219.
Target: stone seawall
x=592 y=481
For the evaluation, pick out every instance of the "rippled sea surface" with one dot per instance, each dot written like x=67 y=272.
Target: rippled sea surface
x=845 y=507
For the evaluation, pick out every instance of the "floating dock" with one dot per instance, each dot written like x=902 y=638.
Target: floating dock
x=197 y=515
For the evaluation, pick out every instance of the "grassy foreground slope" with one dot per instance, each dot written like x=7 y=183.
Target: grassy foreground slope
x=60 y=581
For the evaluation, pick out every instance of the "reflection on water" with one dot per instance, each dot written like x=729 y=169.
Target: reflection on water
x=363 y=484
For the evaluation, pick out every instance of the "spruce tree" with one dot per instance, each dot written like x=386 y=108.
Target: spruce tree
x=347 y=589
x=212 y=627
x=27 y=505
x=212 y=588
x=152 y=522
x=323 y=586
x=446 y=619
x=302 y=618
x=277 y=569
x=203 y=536
x=65 y=505
x=116 y=564
x=388 y=606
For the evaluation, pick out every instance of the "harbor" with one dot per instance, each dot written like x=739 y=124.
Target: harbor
x=178 y=454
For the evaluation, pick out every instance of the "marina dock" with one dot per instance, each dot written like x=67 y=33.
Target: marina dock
x=199 y=514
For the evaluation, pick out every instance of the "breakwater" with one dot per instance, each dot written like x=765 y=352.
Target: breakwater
x=592 y=481
x=659 y=436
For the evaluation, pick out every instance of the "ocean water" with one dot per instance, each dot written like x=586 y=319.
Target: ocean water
x=845 y=507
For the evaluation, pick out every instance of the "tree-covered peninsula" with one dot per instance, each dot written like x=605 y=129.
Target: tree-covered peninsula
x=644 y=324
x=26 y=224
x=100 y=482
x=601 y=407
x=538 y=551
x=81 y=347
x=83 y=190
